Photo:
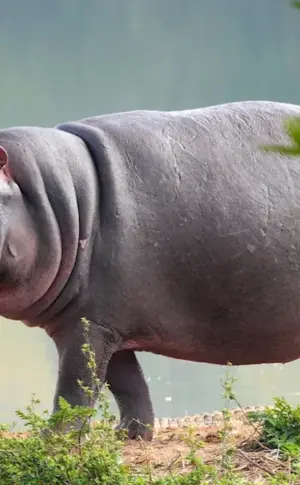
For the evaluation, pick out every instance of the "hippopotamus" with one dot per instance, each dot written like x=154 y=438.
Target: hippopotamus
x=170 y=232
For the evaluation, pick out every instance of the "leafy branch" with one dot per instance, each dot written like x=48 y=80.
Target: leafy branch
x=295 y=4
x=292 y=128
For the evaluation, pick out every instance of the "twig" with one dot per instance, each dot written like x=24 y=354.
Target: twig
x=253 y=463
x=255 y=428
x=173 y=462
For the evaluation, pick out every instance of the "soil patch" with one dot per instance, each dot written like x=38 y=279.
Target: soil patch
x=167 y=452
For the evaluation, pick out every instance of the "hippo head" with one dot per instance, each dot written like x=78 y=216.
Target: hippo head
x=46 y=195
x=18 y=241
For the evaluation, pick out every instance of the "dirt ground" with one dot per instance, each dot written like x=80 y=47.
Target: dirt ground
x=167 y=453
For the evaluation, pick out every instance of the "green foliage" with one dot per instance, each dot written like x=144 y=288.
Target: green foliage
x=60 y=458
x=295 y=4
x=280 y=426
x=76 y=456
x=93 y=454
x=292 y=128
x=280 y=430
x=64 y=459
x=228 y=449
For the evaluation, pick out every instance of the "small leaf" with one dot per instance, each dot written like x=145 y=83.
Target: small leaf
x=292 y=126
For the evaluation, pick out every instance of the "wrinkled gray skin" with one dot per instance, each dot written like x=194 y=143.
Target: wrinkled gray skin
x=172 y=233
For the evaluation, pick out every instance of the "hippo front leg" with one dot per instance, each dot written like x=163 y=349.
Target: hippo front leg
x=73 y=362
x=127 y=383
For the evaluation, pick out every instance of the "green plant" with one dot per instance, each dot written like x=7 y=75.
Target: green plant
x=292 y=128
x=280 y=426
x=228 y=448
x=42 y=456
x=295 y=4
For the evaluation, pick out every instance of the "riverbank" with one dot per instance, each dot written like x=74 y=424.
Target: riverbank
x=172 y=443
x=210 y=449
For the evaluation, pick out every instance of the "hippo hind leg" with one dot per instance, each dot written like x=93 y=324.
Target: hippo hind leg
x=127 y=383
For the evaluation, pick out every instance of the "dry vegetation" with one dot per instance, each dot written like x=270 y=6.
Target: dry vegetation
x=167 y=453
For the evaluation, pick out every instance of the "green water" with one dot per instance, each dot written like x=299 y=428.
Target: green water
x=67 y=59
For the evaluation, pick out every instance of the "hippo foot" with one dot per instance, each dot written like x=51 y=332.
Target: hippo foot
x=136 y=429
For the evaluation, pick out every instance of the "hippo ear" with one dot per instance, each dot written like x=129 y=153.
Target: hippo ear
x=4 y=168
x=3 y=156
